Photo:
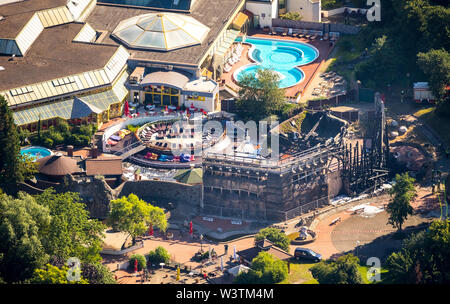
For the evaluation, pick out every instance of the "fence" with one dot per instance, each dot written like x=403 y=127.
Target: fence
x=318 y=26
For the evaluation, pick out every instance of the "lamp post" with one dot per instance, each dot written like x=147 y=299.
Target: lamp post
x=358 y=85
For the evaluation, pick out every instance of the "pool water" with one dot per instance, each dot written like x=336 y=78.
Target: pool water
x=36 y=152
x=280 y=55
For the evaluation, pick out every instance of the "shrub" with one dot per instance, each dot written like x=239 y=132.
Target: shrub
x=47 y=142
x=275 y=236
x=133 y=128
x=142 y=262
x=159 y=255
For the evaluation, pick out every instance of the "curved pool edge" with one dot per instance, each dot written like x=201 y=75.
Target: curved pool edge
x=256 y=62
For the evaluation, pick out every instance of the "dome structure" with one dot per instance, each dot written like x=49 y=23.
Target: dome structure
x=160 y=31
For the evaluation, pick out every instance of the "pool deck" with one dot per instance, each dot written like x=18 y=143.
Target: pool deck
x=310 y=69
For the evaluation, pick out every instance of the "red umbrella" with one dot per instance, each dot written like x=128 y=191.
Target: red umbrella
x=166 y=109
x=192 y=105
x=190 y=228
x=150 y=230
x=126 y=109
x=135 y=265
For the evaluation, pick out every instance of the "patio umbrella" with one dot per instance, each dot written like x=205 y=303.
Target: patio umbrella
x=234 y=253
x=221 y=263
x=150 y=230
x=126 y=109
x=190 y=176
x=178 y=273
x=190 y=228
x=210 y=253
x=166 y=109
x=135 y=265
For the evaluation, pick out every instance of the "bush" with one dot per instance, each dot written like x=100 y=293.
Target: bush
x=159 y=255
x=142 y=262
x=133 y=128
x=47 y=142
x=275 y=236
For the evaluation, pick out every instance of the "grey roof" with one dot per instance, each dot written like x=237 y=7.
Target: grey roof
x=171 y=78
x=212 y=13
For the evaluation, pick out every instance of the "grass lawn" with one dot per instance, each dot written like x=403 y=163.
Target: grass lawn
x=440 y=124
x=300 y=274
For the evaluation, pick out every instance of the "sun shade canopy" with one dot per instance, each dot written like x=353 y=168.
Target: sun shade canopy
x=161 y=31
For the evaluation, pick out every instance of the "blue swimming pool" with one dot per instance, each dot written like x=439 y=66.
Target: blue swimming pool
x=280 y=55
x=36 y=152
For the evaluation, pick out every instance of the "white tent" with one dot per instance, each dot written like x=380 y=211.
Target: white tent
x=238 y=269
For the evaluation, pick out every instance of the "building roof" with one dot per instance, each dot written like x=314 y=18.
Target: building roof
x=104 y=166
x=17 y=14
x=161 y=31
x=173 y=78
x=264 y=245
x=54 y=55
x=179 y=5
x=190 y=176
x=212 y=13
x=57 y=165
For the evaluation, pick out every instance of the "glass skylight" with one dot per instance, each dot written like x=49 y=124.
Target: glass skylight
x=161 y=31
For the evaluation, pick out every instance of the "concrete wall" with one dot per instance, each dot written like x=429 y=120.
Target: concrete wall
x=326 y=27
x=341 y=10
x=334 y=184
x=265 y=10
x=310 y=10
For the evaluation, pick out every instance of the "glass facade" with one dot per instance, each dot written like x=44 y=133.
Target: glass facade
x=161 y=95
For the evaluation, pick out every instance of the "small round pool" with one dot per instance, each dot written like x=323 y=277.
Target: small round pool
x=36 y=152
x=287 y=77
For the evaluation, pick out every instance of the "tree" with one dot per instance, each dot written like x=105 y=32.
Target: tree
x=72 y=233
x=23 y=222
x=423 y=258
x=133 y=215
x=275 y=236
x=343 y=271
x=142 y=262
x=260 y=95
x=292 y=16
x=54 y=275
x=159 y=255
x=265 y=269
x=436 y=66
x=12 y=170
x=402 y=193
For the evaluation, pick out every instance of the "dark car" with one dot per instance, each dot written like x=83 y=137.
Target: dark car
x=307 y=254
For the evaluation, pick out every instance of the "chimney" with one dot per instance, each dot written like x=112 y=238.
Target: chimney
x=70 y=151
x=94 y=152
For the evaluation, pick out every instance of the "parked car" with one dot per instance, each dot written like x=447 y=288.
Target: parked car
x=307 y=254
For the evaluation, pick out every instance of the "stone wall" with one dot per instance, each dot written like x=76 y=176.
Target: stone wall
x=166 y=191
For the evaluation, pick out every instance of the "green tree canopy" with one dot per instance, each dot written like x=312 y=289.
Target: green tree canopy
x=133 y=215
x=275 y=236
x=72 y=233
x=53 y=275
x=402 y=193
x=23 y=223
x=343 y=271
x=13 y=168
x=436 y=66
x=159 y=255
x=265 y=269
x=259 y=96
x=423 y=258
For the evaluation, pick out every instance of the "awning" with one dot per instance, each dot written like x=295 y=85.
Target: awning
x=240 y=20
